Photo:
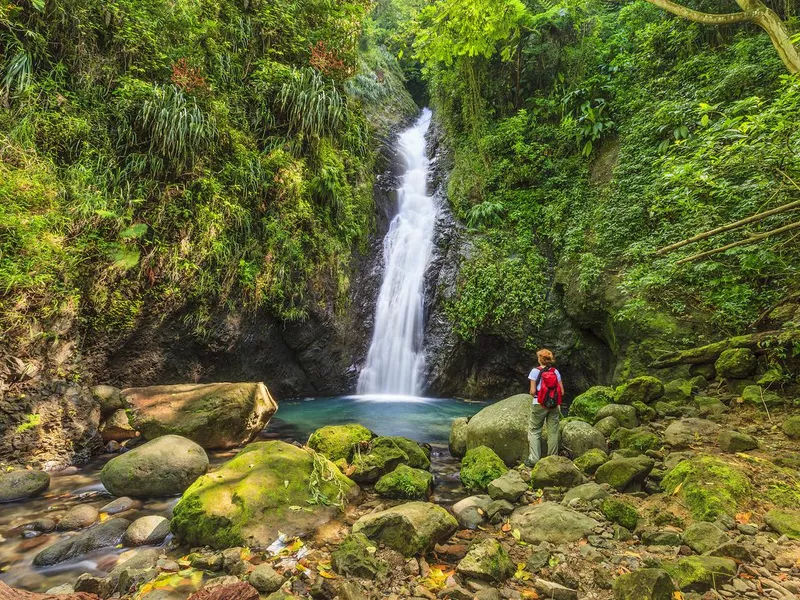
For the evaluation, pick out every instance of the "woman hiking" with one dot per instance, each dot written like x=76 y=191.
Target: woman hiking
x=547 y=391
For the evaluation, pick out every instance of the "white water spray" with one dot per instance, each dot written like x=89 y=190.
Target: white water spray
x=396 y=356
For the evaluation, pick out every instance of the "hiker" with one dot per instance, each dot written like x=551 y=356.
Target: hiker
x=547 y=391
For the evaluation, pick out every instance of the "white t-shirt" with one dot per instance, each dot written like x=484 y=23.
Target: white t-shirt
x=534 y=376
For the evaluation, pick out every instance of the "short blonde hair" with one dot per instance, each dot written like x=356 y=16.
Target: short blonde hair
x=545 y=357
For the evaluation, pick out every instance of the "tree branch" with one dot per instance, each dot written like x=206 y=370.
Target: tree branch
x=701 y=17
x=751 y=240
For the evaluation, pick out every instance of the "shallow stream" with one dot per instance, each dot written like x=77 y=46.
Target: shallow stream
x=422 y=419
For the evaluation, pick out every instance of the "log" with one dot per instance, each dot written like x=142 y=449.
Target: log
x=750 y=240
x=710 y=353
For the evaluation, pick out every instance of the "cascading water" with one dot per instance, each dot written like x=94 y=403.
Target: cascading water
x=396 y=355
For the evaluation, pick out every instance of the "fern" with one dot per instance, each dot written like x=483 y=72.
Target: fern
x=310 y=105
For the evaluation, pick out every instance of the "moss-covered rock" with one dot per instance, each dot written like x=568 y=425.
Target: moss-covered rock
x=458 y=437
x=382 y=456
x=607 y=426
x=758 y=397
x=406 y=483
x=620 y=512
x=644 y=413
x=639 y=439
x=735 y=363
x=708 y=486
x=701 y=573
x=736 y=441
x=623 y=413
x=703 y=537
x=644 y=584
x=487 y=560
x=668 y=409
x=785 y=522
x=410 y=528
x=704 y=370
x=480 y=466
x=22 y=484
x=590 y=461
x=678 y=390
x=624 y=473
x=417 y=457
x=509 y=486
x=555 y=471
x=586 y=405
x=645 y=389
x=336 y=441
x=503 y=427
x=585 y=492
x=267 y=488
x=791 y=427
x=355 y=557
x=578 y=437
x=709 y=407
x=687 y=432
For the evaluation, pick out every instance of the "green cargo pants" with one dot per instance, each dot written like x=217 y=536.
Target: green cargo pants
x=540 y=414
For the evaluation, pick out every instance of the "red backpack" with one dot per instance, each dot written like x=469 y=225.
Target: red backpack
x=549 y=394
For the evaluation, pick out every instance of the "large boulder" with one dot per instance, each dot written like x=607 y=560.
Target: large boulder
x=686 y=432
x=678 y=390
x=480 y=467
x=406 y=483
x=165 y=466
x=103 y=535
x=736 y=363
x=458 y=437
x=214 y=415
x=623 y=413
x=586 y=405
x=337 y=441
x=410 y=528
x=624 y=473
x=383 y=455
x=503 y=427
x=645 y=389
x=266 y=489
x=487 y=560
x=708 y=486
x=22 y=484
x=644 y=584
x=555 y=471
x=701 y=573
x=579 y=437
x=551 y=522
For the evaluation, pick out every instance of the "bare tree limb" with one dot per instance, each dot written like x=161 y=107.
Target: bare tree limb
x=750 y=240
x=702 y=17
x=729 y=226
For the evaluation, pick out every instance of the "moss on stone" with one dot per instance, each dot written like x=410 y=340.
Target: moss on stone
x=336 y=441
x=382 y=457
x=701 y=573
x=758 y=397
x=736 y=363
x=405 y=482
x=355 y=557
x=643 y=412
x=785 y=522
x=417 y=457
x=589 y=462
x=620 y=512
x=645 y=389
x=481 y=466
x=586 y=405
x=791 y=427
x=678 y=390
x=708 y=486
x=639 y=439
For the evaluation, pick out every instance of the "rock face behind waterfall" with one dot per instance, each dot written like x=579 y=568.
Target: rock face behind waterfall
x=214 y=415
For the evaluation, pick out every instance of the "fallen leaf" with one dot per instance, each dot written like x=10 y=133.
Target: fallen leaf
x=506 y=527
x=743 y=517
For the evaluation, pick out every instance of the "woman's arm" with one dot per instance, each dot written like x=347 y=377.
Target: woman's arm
x=533 y=387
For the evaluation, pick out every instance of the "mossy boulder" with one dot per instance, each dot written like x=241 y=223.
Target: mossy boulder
x=644 y=413
x=669 y=409
x=620 y=512
x=165 y=466
x=704 y=537
x=417 y=456
x=678 y=390
x=585 y=492
x=791 y=427
x=267 y=488
x=757 y=396
x=480 y=466
x=640 y=439
x=590 y=461
x=214 y=415
x=555 y=471
x=551 y=522
x=503 y=427
x=623 y=413
x=704 y=370
x=644 y=584
x=383 y=455
x=458 y=437
x=785 y=522
x=708 y=486
x=607 y=426
x=355 y=557
x=624 y=473
x=645 y=389
x=586 y=405
x=735 y=363
x=687 y=432
x=406 y=483
x=701 y=573
x=709 y=407
x=337 y=441
x=411 y=528
x=486 y=559
x=22 y=484
x=736 y=441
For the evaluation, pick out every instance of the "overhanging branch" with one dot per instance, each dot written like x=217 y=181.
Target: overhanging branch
x=702 y=17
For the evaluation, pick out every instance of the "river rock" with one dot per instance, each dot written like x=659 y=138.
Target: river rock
x=623 y=413
x=9 y=593
x=120 y=505
x=487 y=560
x=640 y=439
x=336 y=442
x=405 y=483
x=458 y=437
x=147 y=531
x=79 y=517
x=645 y=389
x=165 y=466
x=586 y=405
x=551 y=522
x=620 y=512
x=607 y=425
x=480 y=467
x=555 y=471
x=471 y=511
x=624 y=473
x=678 y=391
x=509 y=486
x=213 y=415
x=708 y=486
x=579 y=437
x=355 y=557
x=686 y=432
x=117 y=427
x=710 y=408
x=410 y=528
x=736 y=441
x=265 y=579
x=701 y=573
x=785 y=522
x=644 y=584
x=22 y=484
x=703 y=537
x=503 y=427
x=102 y=535
x=735 y=363
x=265 y=489
x=757 y=396
x=791 y=427
x=590 y=461
x=585 y=492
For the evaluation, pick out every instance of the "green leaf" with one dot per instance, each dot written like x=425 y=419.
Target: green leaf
x=134 y=231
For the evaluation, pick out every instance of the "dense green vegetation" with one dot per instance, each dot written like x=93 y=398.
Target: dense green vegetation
x=178 y=153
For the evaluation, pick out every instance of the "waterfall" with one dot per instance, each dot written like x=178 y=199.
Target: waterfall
x=396 y=355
